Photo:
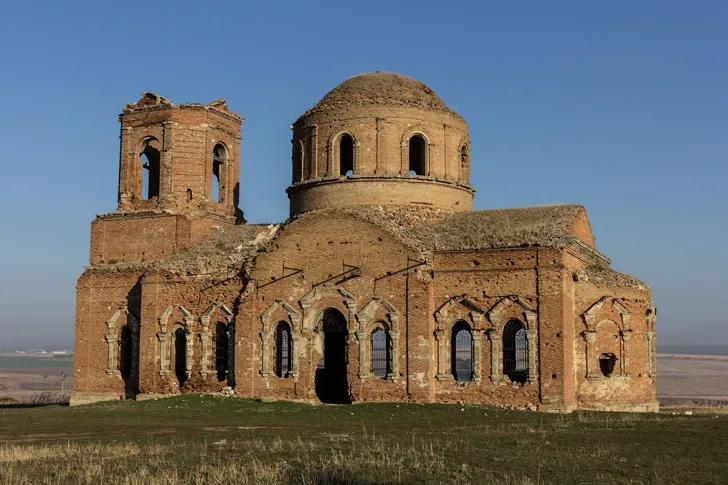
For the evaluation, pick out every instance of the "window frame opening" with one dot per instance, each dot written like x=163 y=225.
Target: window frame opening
x=299 y=170
x=515 y=351
x=284 y=350
x=346 y=155
x=464 y=156
x=417 y=155
x=219 y=158
x=380 y=352
x=462 y=346
x=150 y=157
x=607 y=364
x=222 y=350
x=125 y=352
x=180 y=358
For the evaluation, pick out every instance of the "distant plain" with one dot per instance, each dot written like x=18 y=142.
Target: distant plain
x=681 y=377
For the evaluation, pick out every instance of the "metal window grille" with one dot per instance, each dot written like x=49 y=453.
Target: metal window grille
x=221 y=351
x=462 y=352
x=380 y=353
x=514 y=349
x=283 y=354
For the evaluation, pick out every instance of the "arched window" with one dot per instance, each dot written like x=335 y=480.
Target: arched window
x=464 y=156
x=221 y=351
x=125 y=352
x=417 y=151
x=298 y=158
x=283 y=350
x=462 y=352
x=180 y=356
x=380 y=353
x=514 y=351
x=219 y=156
x=606 y=364
x=149 y=155
x=346 y=155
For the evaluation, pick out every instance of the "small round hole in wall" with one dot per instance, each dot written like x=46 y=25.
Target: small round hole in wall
x=553 y=376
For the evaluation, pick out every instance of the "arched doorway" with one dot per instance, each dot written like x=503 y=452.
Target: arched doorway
x=331 y=382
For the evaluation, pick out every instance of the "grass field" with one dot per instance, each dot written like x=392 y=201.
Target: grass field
x=219 y=440
x=8 y=362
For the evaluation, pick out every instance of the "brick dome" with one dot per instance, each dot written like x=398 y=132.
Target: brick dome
x=382 y=88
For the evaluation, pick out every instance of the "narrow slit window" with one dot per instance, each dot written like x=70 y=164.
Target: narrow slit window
x=417 y=152
x=346 y=155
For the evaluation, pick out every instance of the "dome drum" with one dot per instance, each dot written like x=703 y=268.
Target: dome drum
x=357 y=190
x=376 y=134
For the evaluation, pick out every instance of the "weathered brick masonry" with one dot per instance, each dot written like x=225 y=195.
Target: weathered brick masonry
x=383 y=285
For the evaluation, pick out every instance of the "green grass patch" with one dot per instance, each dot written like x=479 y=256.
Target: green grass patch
x=217 y=440
x=33 y=362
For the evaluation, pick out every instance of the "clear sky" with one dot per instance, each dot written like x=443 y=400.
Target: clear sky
x=620 y=106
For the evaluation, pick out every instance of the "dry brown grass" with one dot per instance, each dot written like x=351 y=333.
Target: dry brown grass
x=253 y=462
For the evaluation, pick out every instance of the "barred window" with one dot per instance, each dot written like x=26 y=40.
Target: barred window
x=125 y=352
x=283 y=350
x=514 y=351
x=462 y=352
x=380 y=353
x=221 y=351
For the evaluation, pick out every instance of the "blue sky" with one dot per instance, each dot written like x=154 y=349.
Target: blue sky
x=620 y=106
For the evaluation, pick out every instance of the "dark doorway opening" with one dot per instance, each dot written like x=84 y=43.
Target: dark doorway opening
x=180 y=356
x=332 y=385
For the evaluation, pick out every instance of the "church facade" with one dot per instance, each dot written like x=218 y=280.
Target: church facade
x=383 y=284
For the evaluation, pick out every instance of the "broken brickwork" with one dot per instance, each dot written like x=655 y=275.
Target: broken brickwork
x=383 y=285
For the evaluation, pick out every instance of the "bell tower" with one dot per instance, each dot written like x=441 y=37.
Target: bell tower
x=179 y=173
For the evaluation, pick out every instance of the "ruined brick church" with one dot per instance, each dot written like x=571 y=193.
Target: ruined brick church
x=383 y=284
